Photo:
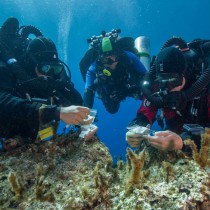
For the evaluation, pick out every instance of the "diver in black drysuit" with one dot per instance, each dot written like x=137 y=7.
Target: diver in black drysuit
x=197 y=54
x=33 y=82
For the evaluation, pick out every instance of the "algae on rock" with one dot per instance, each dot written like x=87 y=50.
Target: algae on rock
x=66 y=173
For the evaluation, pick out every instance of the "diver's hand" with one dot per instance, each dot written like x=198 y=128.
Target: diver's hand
x=77 y=115
x=117 y=96
x=165 y=140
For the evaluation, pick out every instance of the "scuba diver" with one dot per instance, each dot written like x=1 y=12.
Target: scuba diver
x=197 y=55
x=122 y=43
x=114 y=75
x=175 y=71
x=35 y=86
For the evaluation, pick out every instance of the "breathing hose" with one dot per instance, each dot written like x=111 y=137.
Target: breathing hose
x=25 y=31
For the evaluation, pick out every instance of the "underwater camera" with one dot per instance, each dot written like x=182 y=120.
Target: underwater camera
x=194 y=129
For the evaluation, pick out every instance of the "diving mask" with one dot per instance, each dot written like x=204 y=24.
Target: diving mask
x=108 y=60
x=169 y=80
x=50 y=68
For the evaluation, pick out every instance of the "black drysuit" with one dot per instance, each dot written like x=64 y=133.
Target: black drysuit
x=20 y=102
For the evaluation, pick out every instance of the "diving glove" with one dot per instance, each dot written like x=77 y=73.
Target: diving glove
x=117 y=96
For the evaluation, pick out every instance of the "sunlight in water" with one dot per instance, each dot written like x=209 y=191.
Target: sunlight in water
x=64 y=27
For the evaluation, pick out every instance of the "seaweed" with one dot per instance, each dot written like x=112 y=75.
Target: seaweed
x=16 y=184
x=201 y=157
x=137 y=164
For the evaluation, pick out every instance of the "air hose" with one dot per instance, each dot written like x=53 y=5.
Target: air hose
x=25 y=31
x=198 y=86
x=178 y=41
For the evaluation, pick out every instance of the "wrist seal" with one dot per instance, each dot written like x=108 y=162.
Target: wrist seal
x=49 y=113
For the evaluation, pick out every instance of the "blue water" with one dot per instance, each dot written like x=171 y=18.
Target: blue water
x=69 y=23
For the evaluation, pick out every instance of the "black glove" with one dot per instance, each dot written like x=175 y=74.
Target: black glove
x=117 y=96
x=175 y=100
x=156 y=100
x=48 y=113
x=88 y=98
x=134 y=92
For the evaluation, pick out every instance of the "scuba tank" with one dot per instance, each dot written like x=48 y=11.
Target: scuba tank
x=142 y=44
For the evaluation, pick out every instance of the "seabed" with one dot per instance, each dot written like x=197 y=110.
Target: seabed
x=70 y=174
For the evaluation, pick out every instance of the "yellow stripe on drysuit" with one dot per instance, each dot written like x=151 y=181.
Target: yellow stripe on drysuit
x=46 y=133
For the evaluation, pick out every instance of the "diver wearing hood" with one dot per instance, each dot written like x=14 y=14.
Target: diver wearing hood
x=34 y=85
x=48 y=74
x=171 y=78
x=197 y=55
